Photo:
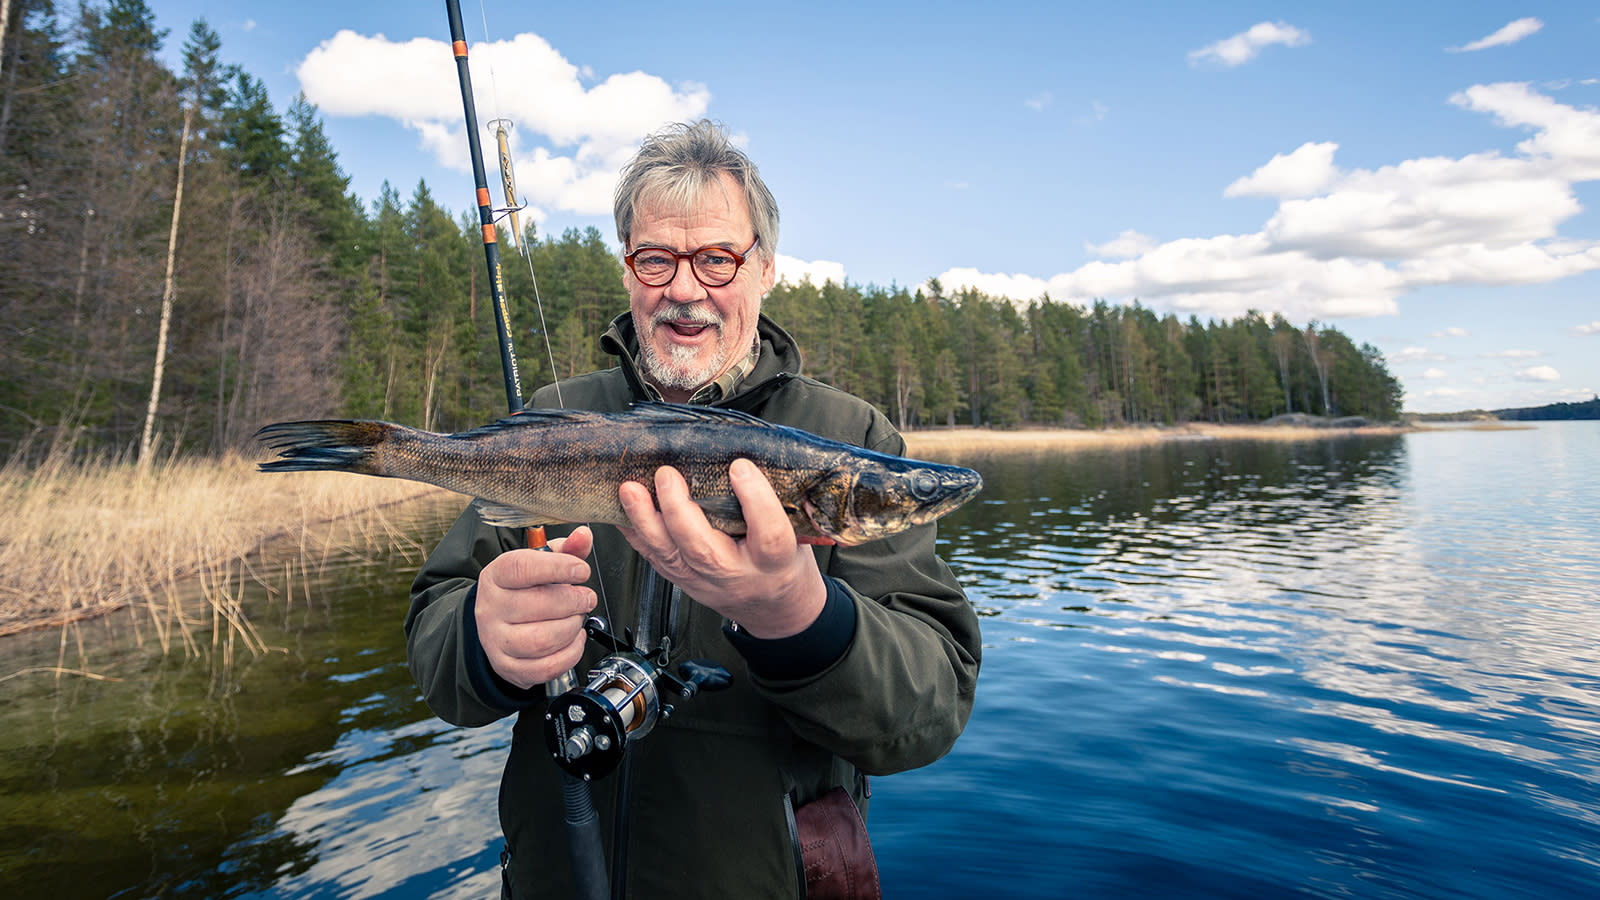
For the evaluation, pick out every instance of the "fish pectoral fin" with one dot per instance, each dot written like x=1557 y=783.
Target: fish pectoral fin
x=724 y=514
x=502 y=516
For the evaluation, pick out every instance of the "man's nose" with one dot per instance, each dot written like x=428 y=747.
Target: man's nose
x=684 y=287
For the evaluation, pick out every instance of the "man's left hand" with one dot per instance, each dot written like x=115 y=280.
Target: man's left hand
x=766 y=581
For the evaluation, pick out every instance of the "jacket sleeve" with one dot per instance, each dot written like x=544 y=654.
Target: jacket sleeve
x=903 y=690
x=447 y=661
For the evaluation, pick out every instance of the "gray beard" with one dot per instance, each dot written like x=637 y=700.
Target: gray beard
x=677 y=371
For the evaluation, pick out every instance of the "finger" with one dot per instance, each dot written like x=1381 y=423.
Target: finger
x=685 y=521
x=546 y=603
x=537 y=640
x=648 y=532
x=527 y=671
x=769 y=532
x=524 y=568
x=577 y=544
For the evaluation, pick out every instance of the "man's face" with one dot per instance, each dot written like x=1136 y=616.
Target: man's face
x=689 y=334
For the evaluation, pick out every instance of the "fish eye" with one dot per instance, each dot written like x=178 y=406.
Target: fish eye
x=924 y=485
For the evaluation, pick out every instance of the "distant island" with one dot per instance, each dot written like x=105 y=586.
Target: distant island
x=1552 y=412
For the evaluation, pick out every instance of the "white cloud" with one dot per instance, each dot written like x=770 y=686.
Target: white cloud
x=1017 y=287
x=1434 y=374
x=1226 y=276
x=1038 y=101
x=1097 y=113
x=1452 y=331
x=1363 y=237
x=818 y=271
x=1513 y=354
x=1247 y=45
x=1301 y=173
x=1590 y=328
x=1539 y=373
x=589 y=131
x=1414 y=354
x=1566 y=138
x=1127 y=244
x=249 y=25
x=1510 y=34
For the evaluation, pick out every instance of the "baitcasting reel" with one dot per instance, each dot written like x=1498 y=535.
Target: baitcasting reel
x=588 y=729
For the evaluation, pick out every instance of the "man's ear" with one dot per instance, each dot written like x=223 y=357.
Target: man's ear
x=769 y=271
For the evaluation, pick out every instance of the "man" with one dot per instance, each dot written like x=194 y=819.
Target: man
x=845 y=661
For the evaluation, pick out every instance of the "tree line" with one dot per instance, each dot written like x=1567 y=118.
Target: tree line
x=1552 y=412
x=287 y=298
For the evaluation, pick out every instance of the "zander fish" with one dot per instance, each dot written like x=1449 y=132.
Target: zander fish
x=542 y=466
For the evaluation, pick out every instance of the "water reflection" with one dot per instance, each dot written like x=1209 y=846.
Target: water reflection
x=1355 y=639
x=410 y=813
x=1330 y=669
x=171 y=781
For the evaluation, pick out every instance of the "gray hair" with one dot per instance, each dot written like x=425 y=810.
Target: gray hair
x=677 y=164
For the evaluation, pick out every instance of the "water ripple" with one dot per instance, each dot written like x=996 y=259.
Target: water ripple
x=1366 y=646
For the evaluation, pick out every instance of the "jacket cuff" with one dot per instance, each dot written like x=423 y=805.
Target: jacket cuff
x=805 y=654
x=490 y=687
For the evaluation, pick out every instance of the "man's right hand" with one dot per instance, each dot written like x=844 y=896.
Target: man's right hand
x=530 y=610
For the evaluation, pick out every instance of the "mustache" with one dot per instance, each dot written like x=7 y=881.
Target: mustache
x=687 y=314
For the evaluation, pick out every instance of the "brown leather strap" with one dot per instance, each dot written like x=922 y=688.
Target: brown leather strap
x=833 y=844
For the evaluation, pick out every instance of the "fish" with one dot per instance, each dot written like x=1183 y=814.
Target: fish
x=546 y=466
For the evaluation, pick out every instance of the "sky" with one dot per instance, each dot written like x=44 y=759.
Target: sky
x=1422 y=176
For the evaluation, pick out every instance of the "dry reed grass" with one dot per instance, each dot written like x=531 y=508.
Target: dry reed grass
x=84 y=538
x=1473 y=425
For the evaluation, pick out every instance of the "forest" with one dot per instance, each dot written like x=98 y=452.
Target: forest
x=1553 y=412
x=181 y=263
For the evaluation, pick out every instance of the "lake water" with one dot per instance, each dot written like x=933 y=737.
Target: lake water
x=1344 y=668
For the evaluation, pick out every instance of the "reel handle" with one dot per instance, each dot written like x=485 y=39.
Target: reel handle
x=702 y=675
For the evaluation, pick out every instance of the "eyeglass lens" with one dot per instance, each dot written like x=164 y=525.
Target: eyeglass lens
x=714 y=266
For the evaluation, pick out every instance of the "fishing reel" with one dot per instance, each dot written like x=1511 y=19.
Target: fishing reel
x=587 y=730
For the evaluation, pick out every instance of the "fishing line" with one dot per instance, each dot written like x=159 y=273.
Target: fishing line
x=508 y=177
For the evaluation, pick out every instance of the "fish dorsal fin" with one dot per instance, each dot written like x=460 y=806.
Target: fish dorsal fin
x=532 y=417
x=684 y=412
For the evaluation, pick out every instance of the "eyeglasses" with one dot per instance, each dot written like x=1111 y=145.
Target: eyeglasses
x=712 y=266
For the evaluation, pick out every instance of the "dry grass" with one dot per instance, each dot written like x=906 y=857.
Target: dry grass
x=954 y=442
x=81 y=539
x=1473 y=425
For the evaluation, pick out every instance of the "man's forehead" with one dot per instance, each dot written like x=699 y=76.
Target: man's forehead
x=698 y=205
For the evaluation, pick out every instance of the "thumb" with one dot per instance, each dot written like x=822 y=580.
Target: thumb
x=578 y=543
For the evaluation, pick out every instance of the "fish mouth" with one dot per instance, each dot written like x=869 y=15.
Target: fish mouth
x=957 y=488
x=952 y=490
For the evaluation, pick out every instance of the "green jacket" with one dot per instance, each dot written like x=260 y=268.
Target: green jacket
x=709 y=787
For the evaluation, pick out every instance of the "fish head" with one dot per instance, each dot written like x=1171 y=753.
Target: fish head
x=872 y=498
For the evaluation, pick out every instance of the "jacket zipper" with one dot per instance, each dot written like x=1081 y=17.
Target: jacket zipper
x=794 y=845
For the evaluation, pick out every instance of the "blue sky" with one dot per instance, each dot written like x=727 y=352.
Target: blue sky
x=1421 y=175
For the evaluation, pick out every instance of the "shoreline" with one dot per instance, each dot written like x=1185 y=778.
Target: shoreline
x=988 y=440
x=979 y=439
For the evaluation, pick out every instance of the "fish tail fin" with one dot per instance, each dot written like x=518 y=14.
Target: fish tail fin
x=333 y=445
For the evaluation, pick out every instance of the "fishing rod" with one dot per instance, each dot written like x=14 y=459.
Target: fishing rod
x=589 y=728
x=585 y=850
x=491 y=244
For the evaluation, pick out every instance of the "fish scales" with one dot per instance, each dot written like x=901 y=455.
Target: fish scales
x=544 y=466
